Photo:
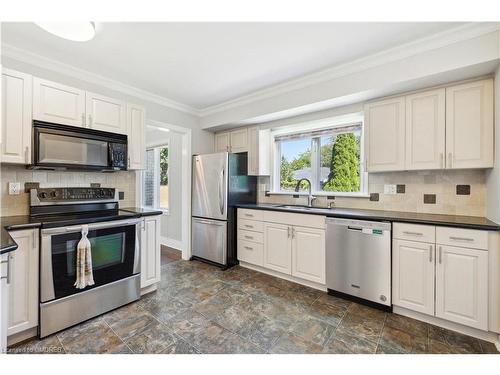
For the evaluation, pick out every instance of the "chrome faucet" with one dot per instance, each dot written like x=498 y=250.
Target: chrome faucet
x=310 y=197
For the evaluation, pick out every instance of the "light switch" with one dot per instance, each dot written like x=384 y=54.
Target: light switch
x=14 y=188
x=390 y=189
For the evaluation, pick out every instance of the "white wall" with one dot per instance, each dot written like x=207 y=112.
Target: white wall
x=493 y=175
x=202 y=141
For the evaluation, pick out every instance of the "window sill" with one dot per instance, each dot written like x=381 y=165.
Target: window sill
x=321 y=194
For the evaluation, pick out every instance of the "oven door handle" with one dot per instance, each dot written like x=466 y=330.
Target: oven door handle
x=78 y=228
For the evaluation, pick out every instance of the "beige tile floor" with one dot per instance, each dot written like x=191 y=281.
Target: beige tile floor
x=200 y=309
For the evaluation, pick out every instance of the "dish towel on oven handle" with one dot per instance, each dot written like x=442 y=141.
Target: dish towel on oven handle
x=84 y=276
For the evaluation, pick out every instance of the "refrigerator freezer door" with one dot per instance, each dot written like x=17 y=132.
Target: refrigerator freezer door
x=209 y=197
x=210 y=240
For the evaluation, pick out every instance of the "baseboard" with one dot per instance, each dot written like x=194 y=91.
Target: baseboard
x=297 y=280
x=174 y=244
x=474 y=332
x=16 y=338
x=149 y=289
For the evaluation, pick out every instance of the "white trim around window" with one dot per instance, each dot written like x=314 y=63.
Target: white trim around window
x=315 y=130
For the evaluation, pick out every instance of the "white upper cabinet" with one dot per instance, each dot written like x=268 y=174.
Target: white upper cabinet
x=425 y=130
x=239 y=140
x=233 y=141
x=259 y=156
x=106 y=114
x=15 y=135
x=136 y=131
x=222 y=142
x=385 y=135
x=469 y=125
x=54 y=102
x=462 y=286
x=23 y=289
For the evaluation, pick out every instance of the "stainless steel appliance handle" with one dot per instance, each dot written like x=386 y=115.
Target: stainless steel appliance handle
x=221 y=195
x=77 y=228
x=207 y=222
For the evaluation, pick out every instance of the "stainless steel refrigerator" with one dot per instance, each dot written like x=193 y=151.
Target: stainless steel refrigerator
x=220 y=181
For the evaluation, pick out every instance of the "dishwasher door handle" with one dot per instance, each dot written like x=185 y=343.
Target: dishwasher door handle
x=355 y=228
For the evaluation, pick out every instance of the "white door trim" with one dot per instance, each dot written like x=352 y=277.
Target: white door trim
x=185 y=243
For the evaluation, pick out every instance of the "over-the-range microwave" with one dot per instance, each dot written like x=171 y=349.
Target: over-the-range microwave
x=58 y=146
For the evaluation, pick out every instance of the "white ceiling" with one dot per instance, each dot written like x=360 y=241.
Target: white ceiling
x=205 y=64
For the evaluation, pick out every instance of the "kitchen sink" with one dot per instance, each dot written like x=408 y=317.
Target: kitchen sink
x=294 y=207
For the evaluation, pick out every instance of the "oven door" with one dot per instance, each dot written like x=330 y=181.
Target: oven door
x=115 y=255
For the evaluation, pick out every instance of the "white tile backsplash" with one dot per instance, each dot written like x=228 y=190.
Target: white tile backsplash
x=417 y=183
x=19 y=204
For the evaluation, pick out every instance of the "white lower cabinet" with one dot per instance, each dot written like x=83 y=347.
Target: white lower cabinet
x=4 y=300
x=278 y=247
x=23 y=288
x=413 y=275
x=449 y=282
x=283 y=243
x=462 y=286
x=150 y=250
x=308 y=254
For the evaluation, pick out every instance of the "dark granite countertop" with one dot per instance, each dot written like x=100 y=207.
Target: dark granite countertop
x=10 y=223
x=142 y=211
x=470 y=222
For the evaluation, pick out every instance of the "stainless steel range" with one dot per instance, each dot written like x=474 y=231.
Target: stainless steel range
x=115 y=242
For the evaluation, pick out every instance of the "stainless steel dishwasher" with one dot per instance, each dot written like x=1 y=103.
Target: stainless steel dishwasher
x=358 y=261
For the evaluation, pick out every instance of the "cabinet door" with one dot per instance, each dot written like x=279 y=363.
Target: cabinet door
x=253 y=151
x=53 y=102
x=425 y=130
x=469 y=125
x=239 y=140
x=106 y=114
x=150 y=251
x=222 y=142
x=259 y=156
x=278 y=247
x=23 y=289
x=4 y=301
x=413 y=275
x=462 y=286
x=136 y=119
x=308 y=254
x=15 y=135
x=385 y=135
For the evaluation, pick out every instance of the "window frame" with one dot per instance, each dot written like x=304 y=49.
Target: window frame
x=315 y=159
x=156 y=179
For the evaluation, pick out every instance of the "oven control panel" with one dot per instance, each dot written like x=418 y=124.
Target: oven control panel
x=72 y=194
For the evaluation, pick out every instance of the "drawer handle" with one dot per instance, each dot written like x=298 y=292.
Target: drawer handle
x=248 y=248
x=461 y=239
x=413 y=233
x=249 y=237
x=248 y=226
x=249 y=215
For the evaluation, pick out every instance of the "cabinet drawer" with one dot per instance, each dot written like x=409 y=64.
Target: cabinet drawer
x=244 y=213
x=256 y=226
x=301 y=220
x=476 y=239
x=414 y=232
x=247 y=235
x=251 y=252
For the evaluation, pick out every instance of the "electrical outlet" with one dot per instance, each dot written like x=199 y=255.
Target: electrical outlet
x=14 y=188
x=390 y=189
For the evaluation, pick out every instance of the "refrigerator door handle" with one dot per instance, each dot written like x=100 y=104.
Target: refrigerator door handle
x=221 y=195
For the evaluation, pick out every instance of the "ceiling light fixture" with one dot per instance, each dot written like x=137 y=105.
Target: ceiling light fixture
x=76 y=31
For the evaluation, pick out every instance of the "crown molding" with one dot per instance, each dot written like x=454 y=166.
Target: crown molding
x=429 y=43
x=40 y=61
